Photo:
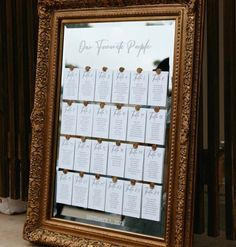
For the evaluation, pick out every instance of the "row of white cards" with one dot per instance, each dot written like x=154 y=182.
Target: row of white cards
x=126 y=123
x=115 y=86
x=107 y=158
x=103 y=194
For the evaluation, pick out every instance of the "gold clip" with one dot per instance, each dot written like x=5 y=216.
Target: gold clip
x=67 y=137
x=104 y=69
x=157 y=108
x=87 y=68
x=81 y=174
x=137 y=107
x=97 y=176
x=154 y=147
x=71 y=67
x=85 y=103
x=135 y=145
x=139 y=70
x=65 y=171
x=102 y=104
x=118 y=106
x=69 y=102
x=114 y=179
x=158 y=71
x=83 y=138
x=152 y=185
x=121 y=69
x=99 y=140
x=133 y=182
x=118 y=143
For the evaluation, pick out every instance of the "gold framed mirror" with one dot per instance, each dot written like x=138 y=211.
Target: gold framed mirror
x=114 y=123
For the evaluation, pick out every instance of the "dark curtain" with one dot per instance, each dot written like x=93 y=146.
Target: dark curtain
x=18 y=45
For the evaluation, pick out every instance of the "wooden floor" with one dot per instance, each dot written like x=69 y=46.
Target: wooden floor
x=11 y=227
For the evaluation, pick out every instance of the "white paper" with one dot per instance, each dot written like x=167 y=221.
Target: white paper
x=97 y=192
x=80 y=190
x=157 y=91
x=134 y=162
x=64 y=187
x=114 y=196
x=138 y=88
x=156 y=127
x=103 y=86
x=132 y=199
x=136 y=125
x=99 y=157
x=66 y=153
x=101 y=119
x=71 y=84
x=87 y=85
x=84 y=120
x=118 y=123
x=151 y=202
x=116 y=159
x=68 y=118
x=82 y=155
x=120 y=87
x=153 y=165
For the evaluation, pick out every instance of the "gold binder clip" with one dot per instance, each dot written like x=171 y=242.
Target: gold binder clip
x=104 y=69
x=158 y=71
x=135 y=145
x=154 y=147
x=67 y=137
x=102 y=104
x=152 y=185
x=121 y=69
x=83 y=138
x=81 y=174
x=97 y=176
x=157 y=108
x=85 y=103
x=65 y=171
x=69 y=102
x=137 y=107
x=87 y=68
x=139 y=70
x=118 y=143
x=114 y=179
x=100 y=140
x=71 y=67
x=118 y=106
x=133 y=182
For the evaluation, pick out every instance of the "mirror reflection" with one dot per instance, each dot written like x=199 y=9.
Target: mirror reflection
x=111 y=166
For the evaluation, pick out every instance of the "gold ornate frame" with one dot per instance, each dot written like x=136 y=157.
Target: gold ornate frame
x=40 y=227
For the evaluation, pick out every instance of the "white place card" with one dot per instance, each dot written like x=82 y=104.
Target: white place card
x=66 y=153
x=64 y=187
x=120 y=87
x=84 y=120
x=138 y=88
x=82 y=155
x=134 y=162
x=80 y=190
x=114 y=196
x=116 y=158
x=71 y=84
x=153 y=164
x=118 y=123
x=151 y=202
x=68 y=118
x=156 y=127
x=132 y=199
x=157 y=90
x=103 y=86
x=136 y=125
x=87 y=85
x=101 y=120
x=97 y=192
x=99 y=157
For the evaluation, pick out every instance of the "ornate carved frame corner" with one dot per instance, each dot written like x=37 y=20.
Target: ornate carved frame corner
x=39 y=226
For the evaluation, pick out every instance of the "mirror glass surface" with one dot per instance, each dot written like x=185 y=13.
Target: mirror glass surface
x=114 y=117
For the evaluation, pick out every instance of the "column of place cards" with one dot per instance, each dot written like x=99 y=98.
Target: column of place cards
x=64 y=187
x=68 y=118
x=80 y=190
x=71 y=83
x=82 y=154
x=66 y=153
